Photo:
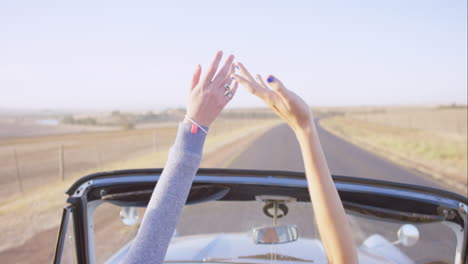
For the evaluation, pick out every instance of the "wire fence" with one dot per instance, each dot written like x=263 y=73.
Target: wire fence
x=445 y=120
x=28 y=163
x=24 y=167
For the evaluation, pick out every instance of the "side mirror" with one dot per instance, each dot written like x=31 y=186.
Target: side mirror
x=408 y=235
x=275 y=234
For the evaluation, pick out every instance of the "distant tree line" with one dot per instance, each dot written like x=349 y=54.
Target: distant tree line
x=117 y=119
x=129 y=120
x=452 y=106
x=79 y=121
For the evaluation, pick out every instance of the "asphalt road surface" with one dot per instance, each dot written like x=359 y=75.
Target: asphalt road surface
x=278 y=149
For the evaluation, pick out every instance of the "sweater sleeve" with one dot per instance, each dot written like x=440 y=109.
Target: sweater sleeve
x=168 y=198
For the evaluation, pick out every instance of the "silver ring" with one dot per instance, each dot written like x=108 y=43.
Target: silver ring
x=227 y=87
x=228 y=94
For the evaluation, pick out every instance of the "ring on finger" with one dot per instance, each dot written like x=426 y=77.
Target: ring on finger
x=228 y=94
x=227 y=87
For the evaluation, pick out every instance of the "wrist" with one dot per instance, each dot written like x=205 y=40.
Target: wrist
x=305 y=127
x=187 y=141
x=195 y=125
x=198 y=118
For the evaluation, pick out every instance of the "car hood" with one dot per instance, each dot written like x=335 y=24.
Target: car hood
x=240 y=248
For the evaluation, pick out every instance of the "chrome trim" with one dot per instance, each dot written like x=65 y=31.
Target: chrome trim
x=91 y=209
x=82 y=189
x=283 y=182
x=395 y=192
x=269 y=180
x=460 y=240
x=463 y=208
x=122 y=180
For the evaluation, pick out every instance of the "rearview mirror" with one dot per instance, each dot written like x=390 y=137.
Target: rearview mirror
x=275 y=234
x=408 y=235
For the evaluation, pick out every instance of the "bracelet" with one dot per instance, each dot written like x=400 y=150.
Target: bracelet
x=195 y=123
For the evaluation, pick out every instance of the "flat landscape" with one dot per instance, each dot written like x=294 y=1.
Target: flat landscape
x=26 y=163
x=12 y=127
x=36 y=170
x=96 y=89
x=431 y=140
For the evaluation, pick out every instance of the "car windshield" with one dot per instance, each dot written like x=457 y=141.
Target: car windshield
x=223 y=232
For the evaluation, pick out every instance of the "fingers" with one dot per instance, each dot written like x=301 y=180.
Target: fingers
x=251 y=85
x=225 y=71
x=249 y=82
x=244 y=72
x=230 y=81
x=255 y=89
x=261 y=82
x=279 y=88
x=229 y=77
x=213 y=68
x=196 y=77
x=234 y=86
x=233 y=90
x=246 y=83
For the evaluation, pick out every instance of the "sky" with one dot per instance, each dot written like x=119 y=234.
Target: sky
x=111 y=54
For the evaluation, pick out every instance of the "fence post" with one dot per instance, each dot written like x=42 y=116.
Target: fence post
x=18 y=174
x=61 y=163
x=155 y=143
x=98 y=157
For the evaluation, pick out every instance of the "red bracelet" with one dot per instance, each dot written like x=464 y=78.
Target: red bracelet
x=195 y=126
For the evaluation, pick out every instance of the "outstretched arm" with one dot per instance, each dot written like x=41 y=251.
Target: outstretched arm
x=329 y=212
x=206 y=100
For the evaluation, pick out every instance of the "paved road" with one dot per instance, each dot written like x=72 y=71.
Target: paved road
x=278 y=149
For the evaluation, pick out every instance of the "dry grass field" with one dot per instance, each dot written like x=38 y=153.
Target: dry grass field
x=445 y=121
x=30 y=218
x=11 y=127
x=28 y=162
x=432 y=140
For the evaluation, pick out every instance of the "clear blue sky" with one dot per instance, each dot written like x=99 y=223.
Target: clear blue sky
x=124 y=54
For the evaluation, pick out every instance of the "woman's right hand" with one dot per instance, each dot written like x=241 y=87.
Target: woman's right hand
x=288 y=105
x=208 y=95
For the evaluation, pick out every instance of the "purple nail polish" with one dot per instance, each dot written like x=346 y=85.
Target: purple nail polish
x=237 y=67
x=271 y=79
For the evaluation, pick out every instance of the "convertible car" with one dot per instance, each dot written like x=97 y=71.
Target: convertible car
x=250 y=216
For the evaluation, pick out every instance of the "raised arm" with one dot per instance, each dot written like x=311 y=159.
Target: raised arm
x=328 y=209
x=207 y=97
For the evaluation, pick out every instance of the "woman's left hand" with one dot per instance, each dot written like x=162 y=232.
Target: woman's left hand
x=209 y=95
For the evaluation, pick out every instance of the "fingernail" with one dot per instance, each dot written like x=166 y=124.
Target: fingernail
x=271 y=79
x=237 y=67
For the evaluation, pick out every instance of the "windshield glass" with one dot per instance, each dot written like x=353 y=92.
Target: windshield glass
x=223 y=232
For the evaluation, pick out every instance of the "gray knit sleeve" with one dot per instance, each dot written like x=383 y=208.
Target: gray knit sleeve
x=168 y=198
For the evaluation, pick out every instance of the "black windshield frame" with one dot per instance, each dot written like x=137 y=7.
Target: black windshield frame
x=366 y=196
